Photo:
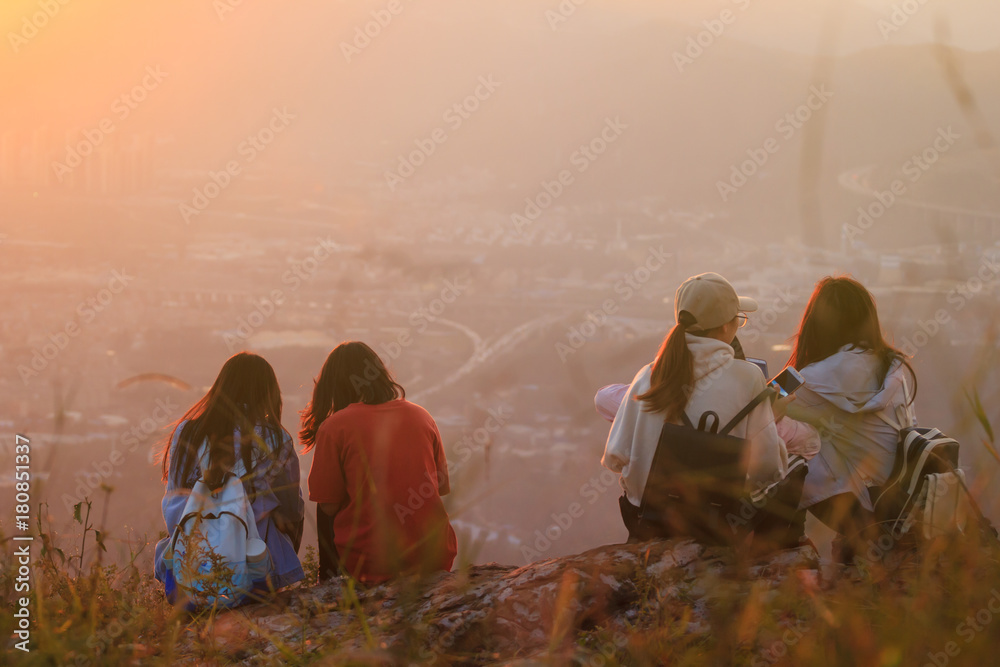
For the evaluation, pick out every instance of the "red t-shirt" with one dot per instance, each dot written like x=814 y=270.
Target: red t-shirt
x=383 y=467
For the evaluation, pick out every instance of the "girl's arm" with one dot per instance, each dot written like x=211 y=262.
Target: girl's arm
x=609 y=399
x=176 y=493
x=819 y=416
x=175 y=496
x=441 y=463
x=618 y=450
x=768 y=454
x=327 y=483
x=289 y=515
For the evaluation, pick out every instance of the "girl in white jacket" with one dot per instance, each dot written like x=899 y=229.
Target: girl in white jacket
x=695 y=371
x=852 y=377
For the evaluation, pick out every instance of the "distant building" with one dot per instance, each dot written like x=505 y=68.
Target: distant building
x=43 y=159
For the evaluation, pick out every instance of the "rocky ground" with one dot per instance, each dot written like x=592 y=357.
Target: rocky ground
x=574 y=610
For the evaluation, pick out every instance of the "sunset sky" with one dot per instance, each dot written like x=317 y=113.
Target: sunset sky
x=88 y=47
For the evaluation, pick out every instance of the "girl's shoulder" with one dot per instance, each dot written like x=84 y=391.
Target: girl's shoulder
x=368 y=411
x=273 y=438
x=641 y=382
x=748 y=373
x=175 y=436
x=273 y=433
x=408 y=407
x=848 y=365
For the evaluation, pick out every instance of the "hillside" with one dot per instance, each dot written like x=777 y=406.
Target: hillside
x=661 y=602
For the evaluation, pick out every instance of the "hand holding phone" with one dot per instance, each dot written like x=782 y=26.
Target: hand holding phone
x=787 y=382
x=779 y=406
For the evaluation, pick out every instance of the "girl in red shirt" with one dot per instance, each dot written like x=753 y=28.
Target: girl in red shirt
x=377 y=475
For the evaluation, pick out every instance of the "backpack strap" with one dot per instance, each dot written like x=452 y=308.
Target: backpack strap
x=984 y=523
x=893 y=424
x=238 y=469
x=742 y=414
x=703 y=423
x=903 y=413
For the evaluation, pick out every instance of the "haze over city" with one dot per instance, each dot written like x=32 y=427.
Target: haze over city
x=500 y=197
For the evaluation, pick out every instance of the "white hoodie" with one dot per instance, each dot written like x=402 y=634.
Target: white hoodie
x=843 y=397
x=724 y=385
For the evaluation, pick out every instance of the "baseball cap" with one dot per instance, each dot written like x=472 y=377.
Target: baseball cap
x=711 y=300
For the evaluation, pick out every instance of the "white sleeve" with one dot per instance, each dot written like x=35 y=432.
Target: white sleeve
x=609 y=399
x=618 y=451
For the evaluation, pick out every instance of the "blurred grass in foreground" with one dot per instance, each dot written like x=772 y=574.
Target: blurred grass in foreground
x=941 y=604
x=937 y=605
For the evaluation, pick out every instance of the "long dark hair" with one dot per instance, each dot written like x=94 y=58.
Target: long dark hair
x=842 y=312
x=245 y=395
x=353 y=373
x=672 y=379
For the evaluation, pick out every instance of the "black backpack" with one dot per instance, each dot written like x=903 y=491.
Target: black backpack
x=696 y=480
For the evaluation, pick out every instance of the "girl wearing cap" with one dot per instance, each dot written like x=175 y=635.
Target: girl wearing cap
x=695 y=371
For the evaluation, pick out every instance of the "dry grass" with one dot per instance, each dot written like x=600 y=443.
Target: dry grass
x=914 y=605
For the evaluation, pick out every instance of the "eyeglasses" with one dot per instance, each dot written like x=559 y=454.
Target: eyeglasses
x=742 y=319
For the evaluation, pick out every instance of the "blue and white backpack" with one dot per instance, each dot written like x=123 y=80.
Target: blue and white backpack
x=216 y=554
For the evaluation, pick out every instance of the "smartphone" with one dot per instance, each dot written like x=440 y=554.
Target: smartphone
x=759 y=363
x=787 y=382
